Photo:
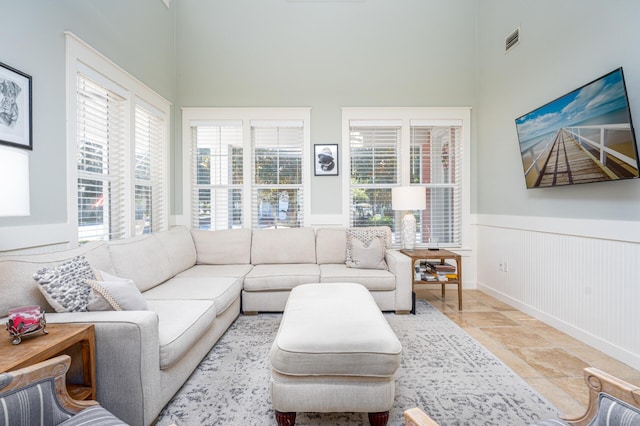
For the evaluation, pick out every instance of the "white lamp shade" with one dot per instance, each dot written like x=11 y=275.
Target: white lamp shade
x=14 y=182
x=408 y=198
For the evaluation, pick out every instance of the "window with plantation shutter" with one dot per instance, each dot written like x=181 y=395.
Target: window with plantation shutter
x=390 y=147
x=246 y=167
x=101 y=188
x=374 y=151
x=150 y=166
x=434 y=161
x=118 y=138
x=277 y=199
x=217 y=170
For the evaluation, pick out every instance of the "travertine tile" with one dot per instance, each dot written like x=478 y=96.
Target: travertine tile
x=564 y=402
x=516 y=337
x=552 y=362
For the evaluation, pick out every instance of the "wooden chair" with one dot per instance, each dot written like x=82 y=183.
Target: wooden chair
x=39 y=393
x=602 y=387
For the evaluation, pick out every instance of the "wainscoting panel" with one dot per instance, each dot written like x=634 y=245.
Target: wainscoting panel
x=587 y=286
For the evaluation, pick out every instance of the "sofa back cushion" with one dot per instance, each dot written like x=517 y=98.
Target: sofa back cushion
x=331 y=243
x=224 y=247
x=285 y=245
x=17 y=286
x=178 y=243
x=150 y=260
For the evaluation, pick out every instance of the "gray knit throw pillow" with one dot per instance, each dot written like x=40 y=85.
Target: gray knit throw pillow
x=64 y=286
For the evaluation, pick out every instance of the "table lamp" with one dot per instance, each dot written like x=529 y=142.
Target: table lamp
x=14 y=182
x=408 y=198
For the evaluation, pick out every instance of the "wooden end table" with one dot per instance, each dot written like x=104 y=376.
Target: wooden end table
x=61 y=337
x=442 y=255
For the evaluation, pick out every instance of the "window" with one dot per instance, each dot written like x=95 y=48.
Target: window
x=118 y=134
x=390 y=147
x=277 y=171
x=246 y=167
x=217 y=166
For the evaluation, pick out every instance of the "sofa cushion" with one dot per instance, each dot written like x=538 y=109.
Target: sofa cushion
x=280 y=277
x=111 y=293
x=130 y=254
x=236 y=271
x=179 y=245
x=224 y=247
x=372 y=279
x=222 y=290
x=64 y=285
x=16 y=273
x=287 y=245
x=180 y=324
x=331 y=245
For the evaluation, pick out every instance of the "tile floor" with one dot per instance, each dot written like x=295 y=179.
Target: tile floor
x=548 y=359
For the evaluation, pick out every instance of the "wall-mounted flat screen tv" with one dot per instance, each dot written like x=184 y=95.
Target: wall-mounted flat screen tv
x=583 y=136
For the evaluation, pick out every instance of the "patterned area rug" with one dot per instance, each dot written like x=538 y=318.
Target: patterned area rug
x=444 y=371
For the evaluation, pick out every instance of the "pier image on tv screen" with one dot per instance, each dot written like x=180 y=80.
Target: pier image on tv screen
x=584 y=136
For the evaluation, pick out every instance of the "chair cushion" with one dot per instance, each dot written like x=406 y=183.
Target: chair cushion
x=95 y=415
x=612 y=411
x=31 y=404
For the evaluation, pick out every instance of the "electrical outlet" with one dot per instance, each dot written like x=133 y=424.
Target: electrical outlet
x=500 y=266
x=505 y=266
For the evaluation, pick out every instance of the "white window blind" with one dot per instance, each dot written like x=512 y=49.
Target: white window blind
x=435 y=161
x=101 y=162
x=217 y=186
x=374 y=155
x=277 y=193
x=149 y=194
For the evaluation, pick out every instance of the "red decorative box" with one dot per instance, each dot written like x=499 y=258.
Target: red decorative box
x=25 y=321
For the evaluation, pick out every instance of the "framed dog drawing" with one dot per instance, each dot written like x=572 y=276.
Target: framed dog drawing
x=15 y=108
x=326 y=159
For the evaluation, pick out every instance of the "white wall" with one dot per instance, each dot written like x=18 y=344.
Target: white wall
x=325 y=55
x=572 y=251
x=138 y=36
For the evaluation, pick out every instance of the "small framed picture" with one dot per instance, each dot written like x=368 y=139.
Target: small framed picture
x=15 y=108
x=326 y=159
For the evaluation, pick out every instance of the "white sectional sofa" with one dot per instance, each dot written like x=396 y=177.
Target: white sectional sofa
x=195 y=284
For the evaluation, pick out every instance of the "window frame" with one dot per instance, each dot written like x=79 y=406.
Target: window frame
x=407 y=115
x=193 y=116
x=82 y=58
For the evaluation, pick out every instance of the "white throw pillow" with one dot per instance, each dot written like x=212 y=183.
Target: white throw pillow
x=364 y=237
x=368 y=256
x=110 y=293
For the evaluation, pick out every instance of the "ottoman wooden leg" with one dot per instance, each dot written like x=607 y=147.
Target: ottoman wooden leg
x=285 y=419
x=379 y=419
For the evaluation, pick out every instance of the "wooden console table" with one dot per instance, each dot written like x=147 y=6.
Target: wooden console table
x=59 y=340
x=442 y=255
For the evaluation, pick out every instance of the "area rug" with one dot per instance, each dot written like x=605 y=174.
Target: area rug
x=444 y=371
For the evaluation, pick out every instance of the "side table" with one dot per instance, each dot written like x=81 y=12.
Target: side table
x=61 y=338
x=441 y=254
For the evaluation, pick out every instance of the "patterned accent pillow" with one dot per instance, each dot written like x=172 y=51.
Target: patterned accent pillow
x=365 y=236
x=371 y=257
x=110 y=293
x=64 y=287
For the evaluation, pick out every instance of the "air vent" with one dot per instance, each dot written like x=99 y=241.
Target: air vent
x=512 y=40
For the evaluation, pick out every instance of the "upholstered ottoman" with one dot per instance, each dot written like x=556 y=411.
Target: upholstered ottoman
x=334 y=352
